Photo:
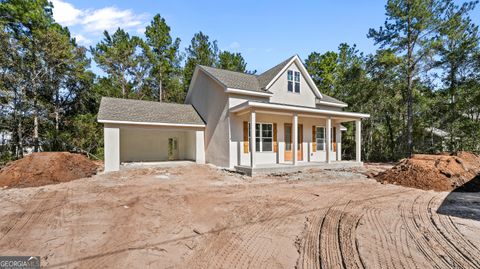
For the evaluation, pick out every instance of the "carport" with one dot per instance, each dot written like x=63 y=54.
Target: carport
x=146 y=131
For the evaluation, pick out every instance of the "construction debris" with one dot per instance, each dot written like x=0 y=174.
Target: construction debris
x=433 y=172
x=45 y=168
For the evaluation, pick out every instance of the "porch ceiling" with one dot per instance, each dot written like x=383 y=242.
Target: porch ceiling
x=274 y=108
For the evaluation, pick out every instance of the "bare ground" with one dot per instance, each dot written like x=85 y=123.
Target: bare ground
x=199 y=217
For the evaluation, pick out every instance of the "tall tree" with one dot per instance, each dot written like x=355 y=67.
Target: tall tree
x=22 y=22
x=408 y=31
x=456 y=44
x=232 y=61
x=124 y=60
x=201 y=51
x=164 y=59
x=322 y=68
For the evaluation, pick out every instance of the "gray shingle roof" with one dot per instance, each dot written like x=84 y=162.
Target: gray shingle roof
x=267 y=76
x=330 y=99
x=232 y=79
x=243 y=81
x=115 y=109
x=256 y=83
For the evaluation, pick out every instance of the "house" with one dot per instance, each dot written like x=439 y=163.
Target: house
x=281 y=110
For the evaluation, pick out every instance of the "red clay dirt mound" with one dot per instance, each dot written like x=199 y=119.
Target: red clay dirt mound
x=45 y=168
x=433 y=172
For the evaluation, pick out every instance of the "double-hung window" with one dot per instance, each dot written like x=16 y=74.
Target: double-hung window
x=297 y=82
x=293 y=78
x=290 y=80
x=263 y=136
x=320 y=139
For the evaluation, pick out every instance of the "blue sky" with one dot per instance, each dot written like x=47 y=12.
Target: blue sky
x=265 y=32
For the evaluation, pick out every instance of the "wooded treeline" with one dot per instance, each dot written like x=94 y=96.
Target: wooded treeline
x=421 y=87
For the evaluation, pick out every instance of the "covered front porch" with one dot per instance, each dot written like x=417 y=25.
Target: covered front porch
x=265 y=169
x=280 y=138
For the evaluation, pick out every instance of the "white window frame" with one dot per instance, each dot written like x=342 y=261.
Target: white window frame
x=295 y=82
x=260 y=149
x=292 y=81
x=316 y=138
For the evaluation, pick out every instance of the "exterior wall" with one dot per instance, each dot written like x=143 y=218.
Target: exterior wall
x=238 y=157
x=306 y=97
x=211 y=102
x=111 y=136
x=137 y=144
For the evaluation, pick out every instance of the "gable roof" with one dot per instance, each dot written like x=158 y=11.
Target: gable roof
x=330 y=99
x=260 y=83
x=116 y=110
x=233 y=79
x=244 y=81
x=266 y=77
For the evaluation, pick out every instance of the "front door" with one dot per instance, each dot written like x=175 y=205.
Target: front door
x=288 y=142
x=172 y=148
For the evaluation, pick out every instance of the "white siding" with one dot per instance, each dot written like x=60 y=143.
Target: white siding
x=143 y=145
x=211 y=102
x=306 y=97
x=238 y=157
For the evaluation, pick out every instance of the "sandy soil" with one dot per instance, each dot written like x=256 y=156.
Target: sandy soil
x=199 y=217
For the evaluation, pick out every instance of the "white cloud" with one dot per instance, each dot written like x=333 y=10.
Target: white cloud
x=87 y=24
x=65 y=13
x=234 y=45
x=110 y=18
x=82 y=40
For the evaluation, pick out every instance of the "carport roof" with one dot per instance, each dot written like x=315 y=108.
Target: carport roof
x=127 y=111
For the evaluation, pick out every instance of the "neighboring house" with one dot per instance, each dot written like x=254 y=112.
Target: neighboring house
x=290 y=120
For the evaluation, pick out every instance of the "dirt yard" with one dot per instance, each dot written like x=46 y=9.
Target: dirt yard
x=200 y=217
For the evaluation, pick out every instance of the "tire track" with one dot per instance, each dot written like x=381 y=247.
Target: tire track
x=436 y=248
x=236 y=251
x=450 y=234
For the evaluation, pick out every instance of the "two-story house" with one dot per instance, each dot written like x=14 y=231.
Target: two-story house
x=278 y=119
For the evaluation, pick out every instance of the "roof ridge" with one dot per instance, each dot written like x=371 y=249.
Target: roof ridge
x=201 y=65
x=282 y=63
x=140 y=100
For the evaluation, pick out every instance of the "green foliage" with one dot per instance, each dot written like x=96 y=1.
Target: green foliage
x=425 y=76
x=201 y=51
x=122 y=57
x=163 y=54
x=231 y=61
x=322 y=68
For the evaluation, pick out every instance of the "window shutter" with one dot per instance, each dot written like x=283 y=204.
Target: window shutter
x=245 y=137
x=275 y=143
x=314 y=139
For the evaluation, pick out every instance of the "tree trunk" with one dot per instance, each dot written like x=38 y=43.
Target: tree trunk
x=35 y=122
x=409 y=93
x=160 y=92
x=452 y=145
x=20 y=139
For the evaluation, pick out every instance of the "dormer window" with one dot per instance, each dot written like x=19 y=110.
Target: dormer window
x=297 y=82
x=293 y=78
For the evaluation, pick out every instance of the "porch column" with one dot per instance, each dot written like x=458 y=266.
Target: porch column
x=111 y=148
x=358 y=140
x=252 y=138
x=329 y=139
x=339 y=142
x=295 y=138
x=200 y=147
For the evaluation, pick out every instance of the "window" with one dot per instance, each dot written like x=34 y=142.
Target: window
x=263 y=136
x=320 y=138
x=290 y=80
x=297 y=82
x=293 y=78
